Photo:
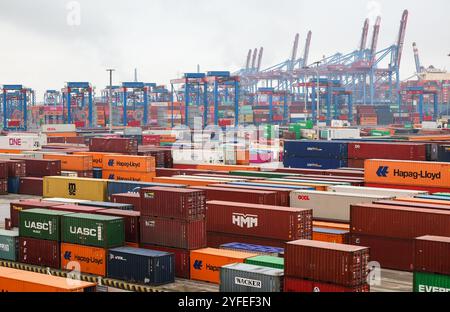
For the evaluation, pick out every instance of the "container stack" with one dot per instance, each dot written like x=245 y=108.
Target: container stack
x=114 y=145
x=173 y=220
x=128 y=168
x=81 y=165
x=16 y=170
x=325 y=267
x=3 y=178
x=366 y=115
x=36 y=169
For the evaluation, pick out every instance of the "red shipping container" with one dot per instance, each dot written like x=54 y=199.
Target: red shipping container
x=300 y=285
x=3 y=170
x=391 y=253
x=173 y=202
x=263 y=221
x=429 y=189
x=53 y=140
x=214 y=240
x=412 y=204
x=16 y=168
x=3 y=186
x=128 y=198
x=173 y=233
x=42 y=167
x=345 y=265
x=31 y=186
x=75 y=140
x=355 y=163
x=383 y=150
x=75 y=208
x=182 y=259
x=432 y=254
x=85 y=174
x=283 y=195
x=16 y=206
x=39 y=252
x=131 y=222
x=398 y=222
x=114 y=145
x=240 y=196
x=148 y=139
x=167 y=172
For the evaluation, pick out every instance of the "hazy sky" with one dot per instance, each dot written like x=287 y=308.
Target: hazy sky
x=42 y=48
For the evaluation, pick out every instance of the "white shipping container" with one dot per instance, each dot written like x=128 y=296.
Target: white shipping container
x=336 y=134
x=330 y=206
x=375 y=191
x=58 y=128
x=429 y=125
x=65 y=200
x=21 y=142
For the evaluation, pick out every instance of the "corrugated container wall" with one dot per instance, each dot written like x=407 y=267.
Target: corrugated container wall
x=77 y=188
x=241 y=277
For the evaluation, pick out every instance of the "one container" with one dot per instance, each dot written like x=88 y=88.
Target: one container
x=267 y=261
x=9 y=242
x=259 y=220
x=31 y=186
x=75 y=188
x=19 y=205
x=93 y=230
x=242 y=277
x=41 y=223
x=242 y=196
x=39 y=252
x=72 y=162
x=373 y=191
x=427 y=282
x=131 y=222
x=141 y=266
x=89 y=260
x=184 y=234
x=292 y=284
x=206 y=263
x=182 y=257
x=133 y=199
x=432 y=254
x=132 y=163
x=257 y=249
x=345 y=265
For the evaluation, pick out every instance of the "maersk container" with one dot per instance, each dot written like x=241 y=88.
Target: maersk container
x=374 y=191
x=267 y=261
x=317 y=149
x=241 y=277
x=141 y=266
x=256 y=249
x=41 y=223
x=9 y=243
x=93 y=230
x=119 y=187
x=427 y=282
x=330 y=206
x=313 y=163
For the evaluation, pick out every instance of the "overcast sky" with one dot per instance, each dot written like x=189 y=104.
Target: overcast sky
x=42 y=46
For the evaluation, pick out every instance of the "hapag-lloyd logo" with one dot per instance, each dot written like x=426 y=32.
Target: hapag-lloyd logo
x=383 y=172
x=245 y=221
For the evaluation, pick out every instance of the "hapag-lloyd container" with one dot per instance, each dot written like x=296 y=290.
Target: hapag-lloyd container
x=141 y=266
x=128 y=176
x=398 y=222
x=292 y=284
x=242 y=277
x=242 y=196
x=75 y=188
x=19 y=205
x=259 y=220
x=414 y=173
x=427 y=282
x=131 y=222
x=374 y=191
x=173 y=202
x=97 y=158
x=133 y=199
x=182 y=263
x=9 y=242
x=93 y=230
x=344 y=265
x=385 y=150
x=432 y=254
x=91 y=260
x=39 y=252
x=131 y=163
x=330 y=206
x=185 y=234
x=41 y=223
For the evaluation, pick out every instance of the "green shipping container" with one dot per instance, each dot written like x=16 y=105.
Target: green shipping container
x=442 y=194
x=9 y=241
x=427 y=282
x=41 y=223
x=378 y=133
x=267 y=261
x=93 y=230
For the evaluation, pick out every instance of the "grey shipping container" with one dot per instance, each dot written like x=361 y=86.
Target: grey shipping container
x=9 y=241
x=141 y=266
x=241 y=277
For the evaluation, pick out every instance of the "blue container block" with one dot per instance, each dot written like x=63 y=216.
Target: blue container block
x=275 y=251
x=444 y=153
x=316 y=149
x=281 y=186
x=435 y=197
x=97 y=173
x=119 y=187
x=141 y=266
x=13 y=185
x=314 y=163
x=107 y=205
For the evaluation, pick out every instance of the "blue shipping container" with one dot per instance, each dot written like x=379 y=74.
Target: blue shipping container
x=314 y=163
x=274 y=251
x=436 y=197
x=141 y=266
x=107 y=205
x=120 y=187
x=13 y=185
x=97 y=173
x=444 y=153
x=316 y=149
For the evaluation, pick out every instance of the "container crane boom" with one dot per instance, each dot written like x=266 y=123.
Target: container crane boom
x=249 y=57
x=365 y=32
x=260 y=56
x=376 y=32
x=401 y=37
x=307 y=46
x=417 y=59
x=255 y=52
x=294 y=52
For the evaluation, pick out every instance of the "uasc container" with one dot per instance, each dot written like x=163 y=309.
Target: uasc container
x=131 y=222
x=86 y=259
x=242 y=277
x=41 y=223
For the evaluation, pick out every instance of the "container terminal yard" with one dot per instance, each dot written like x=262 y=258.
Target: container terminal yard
x=301 y=177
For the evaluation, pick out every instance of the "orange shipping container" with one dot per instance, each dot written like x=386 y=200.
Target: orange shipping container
x=61 y=134
x=227 y=167
x=97 y=157
x=330 y=225
x=91 y=260
x=128 y=176
x=72 y=162
x=206 y=263
x=415 y=173
x=131 y=163
x=7 y=151
x=331 y=235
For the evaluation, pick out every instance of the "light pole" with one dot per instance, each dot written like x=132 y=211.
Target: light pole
x=110 y=100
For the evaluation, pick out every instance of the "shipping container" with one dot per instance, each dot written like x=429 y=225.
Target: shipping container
x=107 y=205
x=45 y=253
x=31 y=186
x=42 y=167
x=75 y=188
x=282 y=195
x=217 y=239
x=359 y=173
x=141 y=164
x=72 y=162
x=97 y=173
x=432 y=254
x=131 y=222
x=114 y=145
x=185 y=181
x=434 y=197
x=247 y=278
x=86 y=259
x=97 y=158
x=262 y=174
x=16 y=168
x=428 y=189
x=128 y=176
x=75 y=208
x=16 y=206
x=133 y=199
x=313 y=163
x=331 y=235
x=182 y=259
x=344 y=265
x=318 y=186
x=427 y=282
x=256 y=249
x=206 y=263
x=330 y=206
x=424 y=201
x=331 y=225
x=184 y=234
x=259 y=220
x=9 y=243
x=373 y=191
x=402 y=202
x=316 y=149
x=119 y=187
x=298 y=285
x=41 y=223
x=267 y=261
x=13 y=185
x=276 y=186
x=385 y=150
x=215 y=167
x=93 y=230
x=141 y=266
x=3 y=170
x=242 y=196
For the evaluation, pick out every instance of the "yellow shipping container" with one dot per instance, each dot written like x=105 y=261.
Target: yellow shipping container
x=76 y=188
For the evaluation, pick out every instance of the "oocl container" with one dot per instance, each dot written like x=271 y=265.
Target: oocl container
x=141 y=266
x=93 y=230
x=75 y=188
x=181 y=259
x=432 y=254
x=41 y=223
x=206 y=263
x=86 y=259
x=292 y=284
x=131 y=222
x=9 y=242
x=39 y=252
x=241 y=277
x=427 y=282
x=267 y=261
x=242 y=196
